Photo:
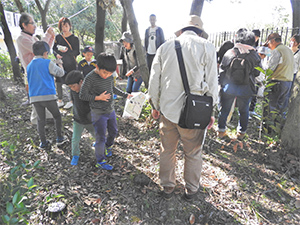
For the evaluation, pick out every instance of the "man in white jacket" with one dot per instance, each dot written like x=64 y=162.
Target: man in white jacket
x=167 y=95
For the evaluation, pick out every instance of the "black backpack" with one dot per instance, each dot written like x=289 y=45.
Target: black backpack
x=239 y=69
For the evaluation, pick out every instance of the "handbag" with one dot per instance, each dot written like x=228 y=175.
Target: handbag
x=197 y=109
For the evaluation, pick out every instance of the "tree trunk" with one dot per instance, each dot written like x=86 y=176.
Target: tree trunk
x=137 y=41
x=10 y=46
x=296 y=16
x=43 y=13
x=291 y=130
x=197 y=6
x=100 y=25
x=2 y=94
x=124 y=19
x=19 y=5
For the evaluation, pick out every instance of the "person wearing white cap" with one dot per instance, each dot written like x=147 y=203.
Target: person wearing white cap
x=167 y=96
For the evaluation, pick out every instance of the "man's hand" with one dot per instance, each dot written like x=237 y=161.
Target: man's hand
x=129 y=96
x=155 y=114
x=103 y=97
x=130 y=72
x=211 y=123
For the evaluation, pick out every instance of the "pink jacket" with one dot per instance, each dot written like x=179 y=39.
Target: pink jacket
x=25 y=42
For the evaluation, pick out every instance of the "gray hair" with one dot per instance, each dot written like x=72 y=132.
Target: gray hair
x=246 y=37
x=25 y=18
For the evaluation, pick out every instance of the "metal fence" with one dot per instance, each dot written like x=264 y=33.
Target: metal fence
x=286 y=33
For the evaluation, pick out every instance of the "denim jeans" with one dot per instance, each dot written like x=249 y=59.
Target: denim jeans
x=132 y=85
x=243 y=106
x=77 y=131
x=279 y=96
x=102 y=123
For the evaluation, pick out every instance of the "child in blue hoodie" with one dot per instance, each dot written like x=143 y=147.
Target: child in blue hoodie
x=42 y=91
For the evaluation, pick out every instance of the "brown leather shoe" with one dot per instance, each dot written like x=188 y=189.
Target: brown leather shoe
x=241 y=136
x=167 y=193
x=223 y=136
x=189 y=196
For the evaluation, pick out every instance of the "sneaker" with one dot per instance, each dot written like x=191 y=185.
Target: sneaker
x=68 y=105
x=44 y=145
x=26 y=103
x=74 y=160
x=104 y=165
x=167 y=193
x=108 y=151
x=61 y=140
x=60 y=104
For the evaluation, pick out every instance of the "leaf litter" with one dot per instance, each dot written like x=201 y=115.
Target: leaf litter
x=245 y=182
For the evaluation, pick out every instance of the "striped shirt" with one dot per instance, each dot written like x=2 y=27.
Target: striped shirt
x=94 y=85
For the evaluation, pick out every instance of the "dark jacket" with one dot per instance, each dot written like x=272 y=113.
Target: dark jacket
x=127 y=57
x=69 y=57
x=235 y=89
x=160 y=39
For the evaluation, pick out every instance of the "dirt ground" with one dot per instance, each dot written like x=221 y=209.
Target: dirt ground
x=243 y=182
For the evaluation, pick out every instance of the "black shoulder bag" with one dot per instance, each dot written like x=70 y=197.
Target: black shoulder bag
x=197 y=109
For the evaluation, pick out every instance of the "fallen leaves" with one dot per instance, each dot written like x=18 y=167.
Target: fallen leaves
x=192 y=219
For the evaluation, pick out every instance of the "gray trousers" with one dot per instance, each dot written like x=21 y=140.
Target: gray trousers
x=40 y=108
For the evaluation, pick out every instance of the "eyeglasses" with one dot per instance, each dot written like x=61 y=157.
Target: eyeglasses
x=32 y=23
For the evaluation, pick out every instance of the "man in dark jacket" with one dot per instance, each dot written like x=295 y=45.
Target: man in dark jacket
x=154 y=37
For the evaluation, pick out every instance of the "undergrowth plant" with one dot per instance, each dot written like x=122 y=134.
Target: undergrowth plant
x=16 y=187
x=5 y=65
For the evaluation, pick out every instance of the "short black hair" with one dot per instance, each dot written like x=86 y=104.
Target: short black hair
x=24 y=18
x=40 y=47
x=246 y=37
x=256 y=32
x=297 y=38
x=107 y=62
x=74 y=77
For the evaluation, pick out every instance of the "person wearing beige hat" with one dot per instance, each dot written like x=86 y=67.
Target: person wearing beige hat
x=281 y=62
x=167 y=97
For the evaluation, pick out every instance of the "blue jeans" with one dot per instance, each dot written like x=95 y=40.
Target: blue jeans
x=279 y=97
x=243 y=106
x=77 y=131
x=102 y=123
x=132 y=85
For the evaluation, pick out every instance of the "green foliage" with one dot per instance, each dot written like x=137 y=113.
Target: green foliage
x=146 y=111
x=16 y=187
x=52 y=197
x=5 y=65
x=271 y=122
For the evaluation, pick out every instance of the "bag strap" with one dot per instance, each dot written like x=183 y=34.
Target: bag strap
x=67 y=42
x=182 y=67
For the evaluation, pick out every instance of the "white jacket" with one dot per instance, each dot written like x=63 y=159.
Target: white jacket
x=165 y=84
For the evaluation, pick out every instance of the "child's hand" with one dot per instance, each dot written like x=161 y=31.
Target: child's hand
x=103 y=97
x=129 y=96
